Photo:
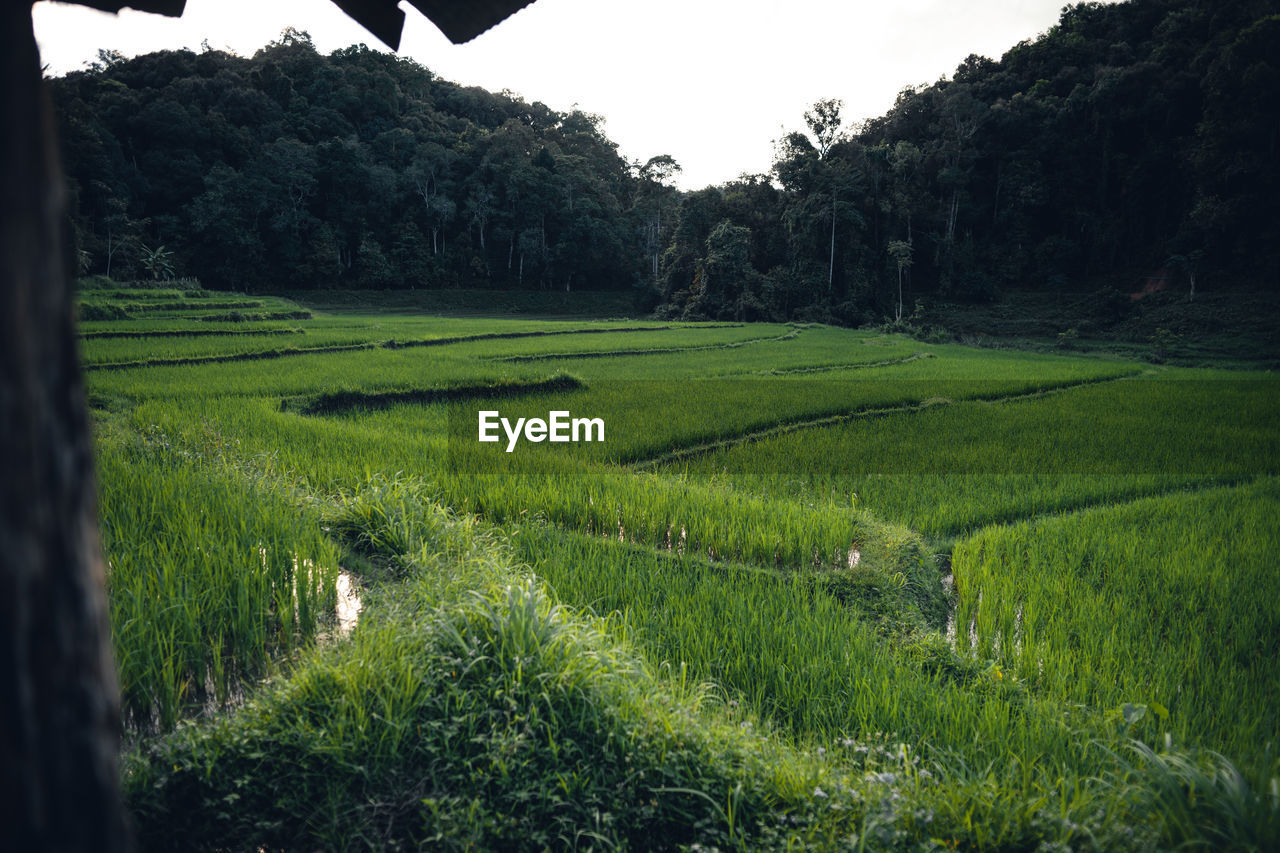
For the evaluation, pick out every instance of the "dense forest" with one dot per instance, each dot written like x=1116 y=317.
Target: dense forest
x=355 y=170
x=1129 y=139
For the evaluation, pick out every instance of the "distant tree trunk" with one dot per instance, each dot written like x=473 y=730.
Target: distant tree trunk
x=542 y=241
x=657 y=240
x=900 y=251
x=59 y=706
x=831 y=269
x=898 y=317
x=111 y=250
x=995 y=199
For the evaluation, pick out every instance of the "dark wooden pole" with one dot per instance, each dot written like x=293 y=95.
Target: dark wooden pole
x=59 y=706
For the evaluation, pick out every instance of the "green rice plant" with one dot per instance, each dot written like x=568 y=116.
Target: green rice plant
x=1165 y=603
x=377 y=369
x=473 y=711
x=206 y=580
x=189 y=347
x=791 y=649
x=401 y=364
x=657 y=511
x=174 y=303
x=487 y=305
x=732 y=530
x=169 y=293
x=118 y=334
x=489 y=718
x=957 y=465
x=732 y=341
x=202 y=305
x=845 y=354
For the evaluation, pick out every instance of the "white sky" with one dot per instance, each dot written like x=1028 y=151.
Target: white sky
x=711 y=82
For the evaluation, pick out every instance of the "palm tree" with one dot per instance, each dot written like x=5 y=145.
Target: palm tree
x=157 y=262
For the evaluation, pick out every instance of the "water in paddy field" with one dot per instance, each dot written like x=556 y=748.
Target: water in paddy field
x=949 y=587
x=349 y=605
x=948 y=583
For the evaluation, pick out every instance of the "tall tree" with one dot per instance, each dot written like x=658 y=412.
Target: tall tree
x=655 y=197
x=819 y=170
x=429 y=175
x=824 y=123
x=900 y=251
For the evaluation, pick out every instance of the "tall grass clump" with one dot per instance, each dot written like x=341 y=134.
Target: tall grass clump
x=1197 y=800
x=399 y=520
x=207 y=578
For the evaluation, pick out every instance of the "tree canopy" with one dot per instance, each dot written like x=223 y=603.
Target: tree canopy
x=292 y=169
x=1129 y=138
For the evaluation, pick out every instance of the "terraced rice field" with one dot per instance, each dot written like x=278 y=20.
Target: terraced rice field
x=1014 y=571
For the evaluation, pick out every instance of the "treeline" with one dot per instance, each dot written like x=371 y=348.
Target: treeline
x=1131 y=138
x=293 y=170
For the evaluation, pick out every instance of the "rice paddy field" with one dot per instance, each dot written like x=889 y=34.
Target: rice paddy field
x=818 y=588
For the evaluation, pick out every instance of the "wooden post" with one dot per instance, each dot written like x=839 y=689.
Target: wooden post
x=59 y=729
